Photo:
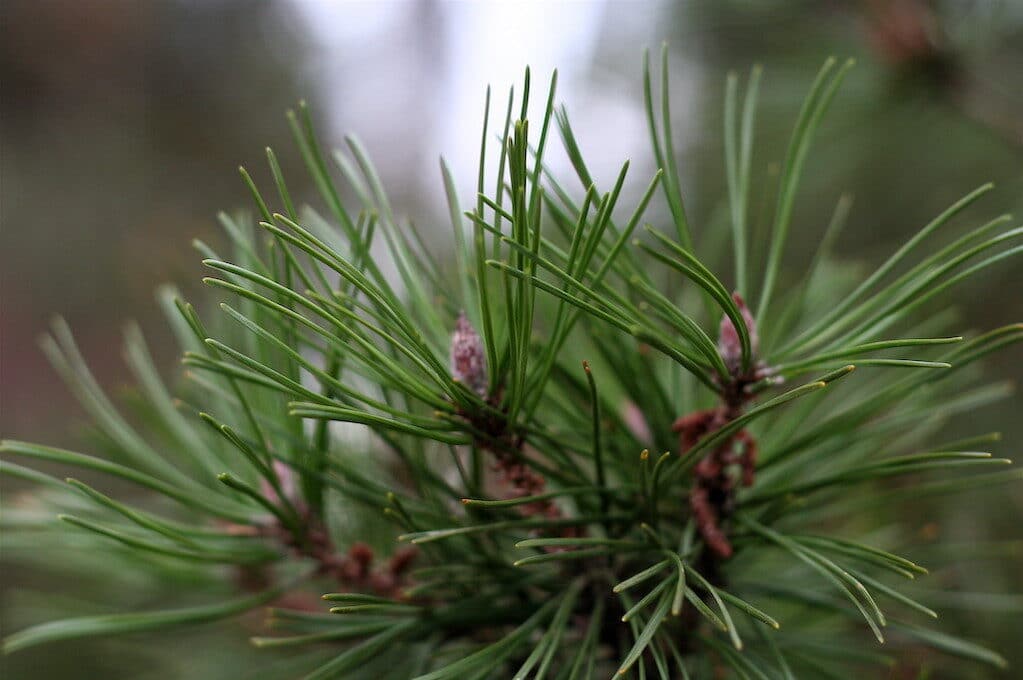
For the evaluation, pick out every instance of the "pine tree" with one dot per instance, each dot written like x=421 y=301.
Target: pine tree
x=576 y=452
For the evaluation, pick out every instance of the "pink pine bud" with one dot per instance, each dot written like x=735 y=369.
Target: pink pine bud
x=728 y=338
x=288 y=483
x=634 y=419
x=468 y=359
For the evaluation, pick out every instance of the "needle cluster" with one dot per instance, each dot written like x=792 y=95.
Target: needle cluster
x=455 y=453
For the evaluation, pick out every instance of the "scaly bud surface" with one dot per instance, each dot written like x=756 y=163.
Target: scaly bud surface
x=728 y=337
x=468 y=358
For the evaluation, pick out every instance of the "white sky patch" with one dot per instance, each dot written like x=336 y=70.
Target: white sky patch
x=491 y=43
x=409 y=79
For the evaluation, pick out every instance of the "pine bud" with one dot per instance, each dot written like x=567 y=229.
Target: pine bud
x=728 y=338
x=637 y=423
x=288 y=483
x=468 y=360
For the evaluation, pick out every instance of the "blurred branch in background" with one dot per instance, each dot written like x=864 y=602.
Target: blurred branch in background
x=122 y=122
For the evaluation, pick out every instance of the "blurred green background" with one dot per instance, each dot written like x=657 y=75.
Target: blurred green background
x=122 y=123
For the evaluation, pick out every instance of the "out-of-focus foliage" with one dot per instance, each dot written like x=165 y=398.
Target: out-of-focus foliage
x=120 y=125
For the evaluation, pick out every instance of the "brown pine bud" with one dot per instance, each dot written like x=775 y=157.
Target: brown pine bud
x=402 y=559
x=707 y=523
x=728 y=337
x=468 y=358
x=360 y=559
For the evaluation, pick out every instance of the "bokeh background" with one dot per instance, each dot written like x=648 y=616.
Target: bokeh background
x=122 y=123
